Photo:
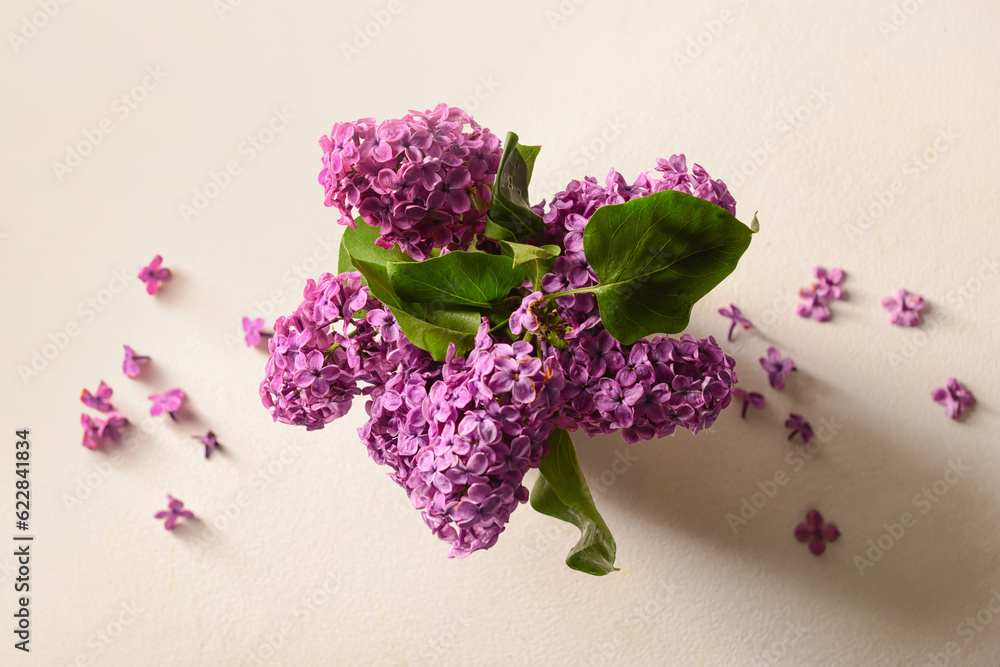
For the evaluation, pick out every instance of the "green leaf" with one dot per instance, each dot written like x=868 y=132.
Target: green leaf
x=509 y=208
x=496 y=232
x=655 y=256
x=472 y=279
x=344 y=262
x=360 y=244
x=528 y=154
x=561 y=492
x=536 y=260
x=427 y=326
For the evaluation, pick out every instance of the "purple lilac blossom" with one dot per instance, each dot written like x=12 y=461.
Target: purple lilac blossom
x=175 y=510
x=800 y=427
x=167 y=402
x=210 y=442
x=99 y=399
x=955 y=397
x=904 y=308
x=130 y=366
x=748 y=398
x=154 y=275
x=816 y=532
x=320 y=353
x=459 y=436
x=423 y=180
x=736 y=316
x=253 y=330
x=777 y=367
x=818 y=296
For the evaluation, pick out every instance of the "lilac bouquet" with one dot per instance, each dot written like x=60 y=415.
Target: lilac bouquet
x=482 y=329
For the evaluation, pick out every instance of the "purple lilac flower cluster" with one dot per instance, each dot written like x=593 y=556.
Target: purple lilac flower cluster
x=461 y=435
x=423 y=179
x=323 y=350
x=648 y=388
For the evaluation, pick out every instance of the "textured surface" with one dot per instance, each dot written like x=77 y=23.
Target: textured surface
x=866 y=135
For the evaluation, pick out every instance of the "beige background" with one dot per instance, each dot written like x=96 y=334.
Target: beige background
x=306 y=554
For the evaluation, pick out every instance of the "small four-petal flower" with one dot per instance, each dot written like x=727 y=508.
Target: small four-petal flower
x=777 y=367
x=800 y=427
x=154 y=275
x=954 y=397
x=904 y=308
x=748 y=398
x=99 y=399
x=175 y=510
x=209 y=441
x=168 y=402
x=816 y=532
x=131 y=365
x=736 y=316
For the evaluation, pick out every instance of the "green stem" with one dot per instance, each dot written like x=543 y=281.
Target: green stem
x=579 y=290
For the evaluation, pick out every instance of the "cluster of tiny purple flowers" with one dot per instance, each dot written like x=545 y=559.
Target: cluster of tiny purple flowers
x=459 y=435
x=423 y=179
x=320 y=353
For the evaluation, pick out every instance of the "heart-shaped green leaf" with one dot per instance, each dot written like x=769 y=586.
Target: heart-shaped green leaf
x=562 y=492
x=655 y=256
x=471 y=279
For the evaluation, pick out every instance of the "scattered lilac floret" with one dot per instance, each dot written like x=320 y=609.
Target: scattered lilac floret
x=154 y=275
x=818 y=297
x=113 y=427
x=904 y=308
x=525 y=318
x=813 y=305
x=254 y=331
x=99 y=399
x=816 y=532
x=91 y=431
x=828 y=284
x=131 y=365
x=748 y=398
x=168 y=402
x=777 y=367
x=736 y=316
x=209 y=441
x=175 y=510
x=954 y=397
x=800 y=427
